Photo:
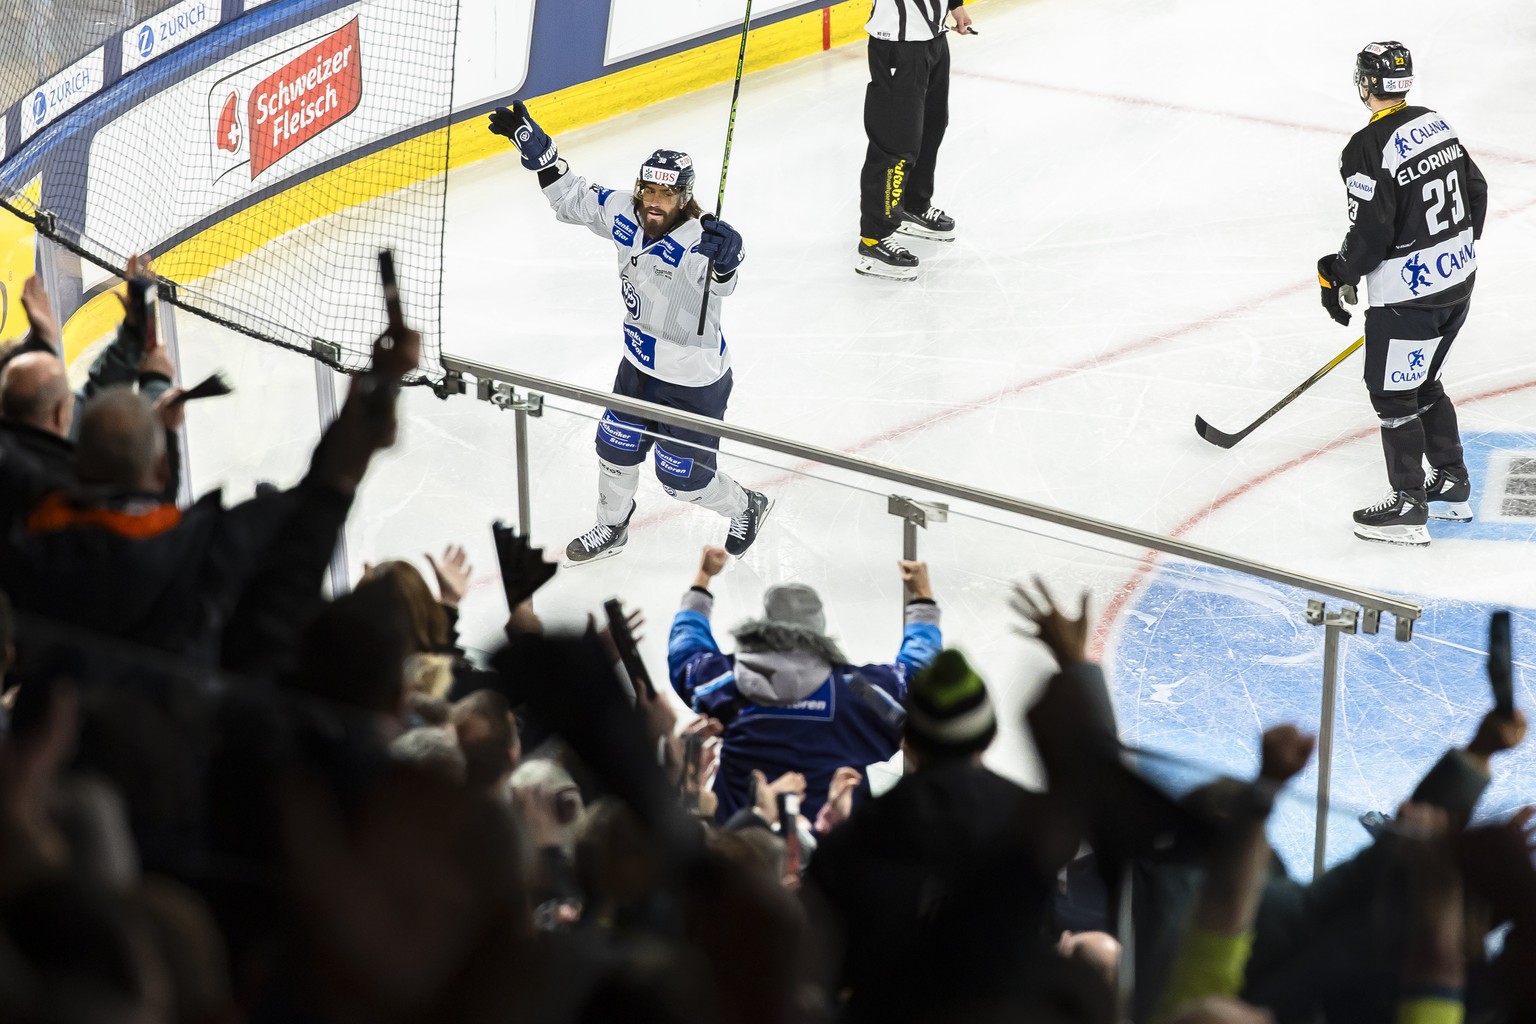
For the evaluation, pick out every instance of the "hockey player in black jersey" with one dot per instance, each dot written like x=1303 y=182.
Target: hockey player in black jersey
x=1416 y=209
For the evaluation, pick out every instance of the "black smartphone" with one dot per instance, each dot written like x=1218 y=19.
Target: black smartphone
x=212 y=386
x=391 y=290
x=1500 y=671
x=523 y=569
x=629 y=651
x=881 y=703
x=143 y=293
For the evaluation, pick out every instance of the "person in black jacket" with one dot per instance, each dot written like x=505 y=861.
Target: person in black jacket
x=39 y=413
x=115 y=557
x=37 y=410
x=1417 y=203
x=948 y=876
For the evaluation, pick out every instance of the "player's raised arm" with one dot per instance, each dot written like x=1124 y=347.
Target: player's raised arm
x=573 y=201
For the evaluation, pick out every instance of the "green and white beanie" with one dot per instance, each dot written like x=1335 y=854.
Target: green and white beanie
x=948 y=710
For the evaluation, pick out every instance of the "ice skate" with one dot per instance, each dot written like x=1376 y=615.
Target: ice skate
x=1399 y=518
x=1449 y=493
x=885 y=257
x=602 y=541
x=933 y=224
x=745 y=527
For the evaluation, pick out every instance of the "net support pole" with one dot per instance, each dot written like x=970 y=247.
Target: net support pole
x=48 y=272
x=165 y=316
x=325 y=398
x=1334 y=625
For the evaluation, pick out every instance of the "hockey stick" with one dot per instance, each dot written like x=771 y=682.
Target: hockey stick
x=725 y=163
x=1222 y=440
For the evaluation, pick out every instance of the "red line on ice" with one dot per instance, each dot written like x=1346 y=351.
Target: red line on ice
x=1149 y=561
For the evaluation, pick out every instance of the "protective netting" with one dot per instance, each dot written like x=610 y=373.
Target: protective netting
x=263 y=161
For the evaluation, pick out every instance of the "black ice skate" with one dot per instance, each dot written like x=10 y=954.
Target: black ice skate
x=599 y=542
x=886 y=257
x=1398 y=518
x=1449 y=493
x=933 y=224
x=744 y=527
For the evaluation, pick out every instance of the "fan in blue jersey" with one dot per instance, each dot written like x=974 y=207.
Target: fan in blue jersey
x=671 y=259
x=788 y=698
x=1417 y=202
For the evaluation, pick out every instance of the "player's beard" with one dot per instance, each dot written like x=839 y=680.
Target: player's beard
x=657 y=222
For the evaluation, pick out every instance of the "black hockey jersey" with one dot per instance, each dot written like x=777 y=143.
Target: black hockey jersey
x=1416 y=209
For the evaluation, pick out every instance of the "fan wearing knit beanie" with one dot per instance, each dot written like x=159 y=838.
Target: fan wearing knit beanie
x=949 y=875
x=949 y=714
x=789 y=698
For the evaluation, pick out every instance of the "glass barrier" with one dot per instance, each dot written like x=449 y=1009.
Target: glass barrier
x=1200 y=659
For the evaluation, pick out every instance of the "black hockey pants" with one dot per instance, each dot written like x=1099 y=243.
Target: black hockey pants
x=906 y=109
x=1405 y=346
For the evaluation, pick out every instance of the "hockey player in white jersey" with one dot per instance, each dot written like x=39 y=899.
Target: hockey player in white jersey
x=670 y=259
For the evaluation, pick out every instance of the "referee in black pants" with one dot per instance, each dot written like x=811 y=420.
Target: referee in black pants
x=906 y=109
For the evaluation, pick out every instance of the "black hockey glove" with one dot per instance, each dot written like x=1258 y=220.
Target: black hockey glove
x=533 y=143
x=721 y=245
x=1334 y=289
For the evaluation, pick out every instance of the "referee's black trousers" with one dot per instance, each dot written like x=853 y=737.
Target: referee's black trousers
x=906 y=109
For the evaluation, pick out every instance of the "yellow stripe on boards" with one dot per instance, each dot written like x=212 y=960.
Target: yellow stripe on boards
x=94 y=322
x=378 y=174
x=18 y=259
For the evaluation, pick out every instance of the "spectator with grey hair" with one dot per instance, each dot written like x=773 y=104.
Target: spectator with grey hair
x=789 y=700
x=39 y=413
x=121 y=446
x=37 y=410
x=208 y=581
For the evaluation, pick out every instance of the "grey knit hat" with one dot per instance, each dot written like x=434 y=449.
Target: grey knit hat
x=793 y=620
x=794 y=604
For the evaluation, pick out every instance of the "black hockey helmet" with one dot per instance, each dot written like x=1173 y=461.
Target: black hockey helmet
x=670 y=168
x=1385 y=69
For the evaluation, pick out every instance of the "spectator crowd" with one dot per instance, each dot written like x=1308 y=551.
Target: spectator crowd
x=226 y=797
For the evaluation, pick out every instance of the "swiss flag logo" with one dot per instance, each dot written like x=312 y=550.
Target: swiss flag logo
x=227 y=135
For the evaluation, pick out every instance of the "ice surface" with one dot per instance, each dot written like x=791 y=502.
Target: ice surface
x=1142 y=192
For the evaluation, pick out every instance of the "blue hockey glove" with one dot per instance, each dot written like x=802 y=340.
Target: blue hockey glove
x=532 y=142
x=721 y=245
x=1334 y=289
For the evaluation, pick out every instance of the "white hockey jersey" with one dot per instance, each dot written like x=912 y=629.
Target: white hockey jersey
x=661 y=283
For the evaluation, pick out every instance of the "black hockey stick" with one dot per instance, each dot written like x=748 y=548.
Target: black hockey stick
x=725 y=162
x=1222 y=440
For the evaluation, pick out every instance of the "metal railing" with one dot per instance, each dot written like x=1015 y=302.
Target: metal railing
x=498 y=385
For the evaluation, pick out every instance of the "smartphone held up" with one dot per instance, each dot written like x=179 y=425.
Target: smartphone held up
x=1500 y=663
